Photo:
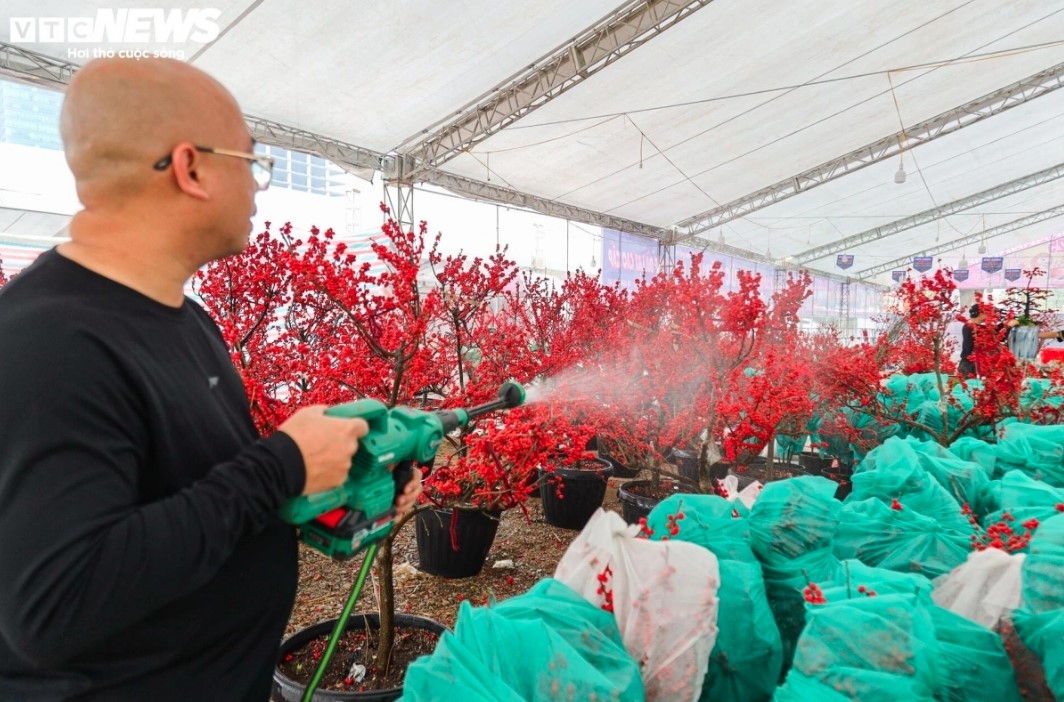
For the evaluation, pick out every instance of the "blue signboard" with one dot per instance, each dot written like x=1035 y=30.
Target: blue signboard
x=960 y=274
x=1013 y=273
x=626 y=257
x=922 y=263
x=844 y=261
x=993 y=264
x=897 y=275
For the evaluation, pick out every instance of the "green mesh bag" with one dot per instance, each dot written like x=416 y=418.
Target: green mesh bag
x=870 y=431
x=964 y=480
x=1036 y=450
x=708 y=521
x=792 y=525
x=747 y=657
x=1043 y=570
x=549 y=643
x=793 y=517
x=972 y=665
x=901 y=540
x=968 y=448
x=1043 y=634
x=873 y=649
x=856 y=579
x=790 y=445
x=893 y=471
x=1023 y=498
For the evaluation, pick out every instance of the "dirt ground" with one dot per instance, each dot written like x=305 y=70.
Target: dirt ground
x=534 y=546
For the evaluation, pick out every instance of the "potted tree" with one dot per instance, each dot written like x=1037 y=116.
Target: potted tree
x=308 y=321
x=1026 y=304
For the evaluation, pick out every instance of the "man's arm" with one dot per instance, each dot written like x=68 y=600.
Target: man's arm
x=80 y=559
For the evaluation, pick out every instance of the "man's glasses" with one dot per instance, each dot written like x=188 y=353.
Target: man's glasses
x=261 y=165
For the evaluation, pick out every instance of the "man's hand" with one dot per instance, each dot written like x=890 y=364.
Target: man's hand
x=327 y=445
x=406 y=501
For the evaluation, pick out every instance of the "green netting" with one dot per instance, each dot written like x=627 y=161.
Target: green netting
x=873 y=649
x=894 y=471
x=971 y=664
x=791 y=529
x=870 y=431
x=1043 y=570
x=901 y=540
x=833 y=442
x=964 y=480
x=1036 y=450
x=1044 y=635
x=856 y=579
x=930 y=414
x=968 y=448
x=549 y=643
x=747 y=657
x=989 y=499
x=790 y=445
x=1039 y=391
x=709 y=521
x=1024 y=498
x=793 y=517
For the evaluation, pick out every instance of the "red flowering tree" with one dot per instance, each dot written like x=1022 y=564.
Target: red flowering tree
x=682 y=367
x=917 y=342
x=308 y=321
x=3 y=278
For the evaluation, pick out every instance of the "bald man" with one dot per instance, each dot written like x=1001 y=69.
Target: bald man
x=140 y=555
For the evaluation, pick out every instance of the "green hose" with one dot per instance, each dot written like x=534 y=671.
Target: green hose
x=341 y=623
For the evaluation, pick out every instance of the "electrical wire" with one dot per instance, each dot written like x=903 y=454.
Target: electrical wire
x=818 y=121
x=770 y=100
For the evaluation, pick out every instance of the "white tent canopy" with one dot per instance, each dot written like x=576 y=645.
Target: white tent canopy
x=777 y=128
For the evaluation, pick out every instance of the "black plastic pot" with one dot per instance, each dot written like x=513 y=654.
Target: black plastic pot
x=287 y=690
x=475 y=532
x=633 y=506
x=582 y=493
x=686 y=463
x=815 y=464
x=843 y=475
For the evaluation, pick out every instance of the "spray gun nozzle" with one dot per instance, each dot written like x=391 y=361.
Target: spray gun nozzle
x=511 y=394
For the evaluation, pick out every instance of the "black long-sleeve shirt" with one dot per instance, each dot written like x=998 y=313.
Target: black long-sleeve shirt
x=140 y=555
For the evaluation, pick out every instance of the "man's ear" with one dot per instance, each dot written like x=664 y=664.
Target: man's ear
x=187 y=164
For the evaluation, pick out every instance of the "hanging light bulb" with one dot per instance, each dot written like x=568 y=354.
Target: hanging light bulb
x=899 y=176
x=982 y=247
x=982 y=244
x=594 y=263
x=963 y=263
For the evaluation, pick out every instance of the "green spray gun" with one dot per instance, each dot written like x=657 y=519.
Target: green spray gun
x=343 y=521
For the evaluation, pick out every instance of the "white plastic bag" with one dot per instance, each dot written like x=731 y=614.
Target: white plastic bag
x=747 y=495
x=663 y=594
x=984 y=589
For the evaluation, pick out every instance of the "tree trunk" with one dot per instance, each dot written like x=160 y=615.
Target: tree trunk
x=386 y=635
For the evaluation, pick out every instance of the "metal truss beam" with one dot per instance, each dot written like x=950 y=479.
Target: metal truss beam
x=981 y=198
x=495 y=194
x=666 y=256
x=994 y=103
x=487 y=192
x=27 y=66
x=399 y=197
x=354 y=159
x=957 y=243
x=632 y=25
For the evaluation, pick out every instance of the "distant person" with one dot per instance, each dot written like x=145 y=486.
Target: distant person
x=967 y=368
x=141 y=558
